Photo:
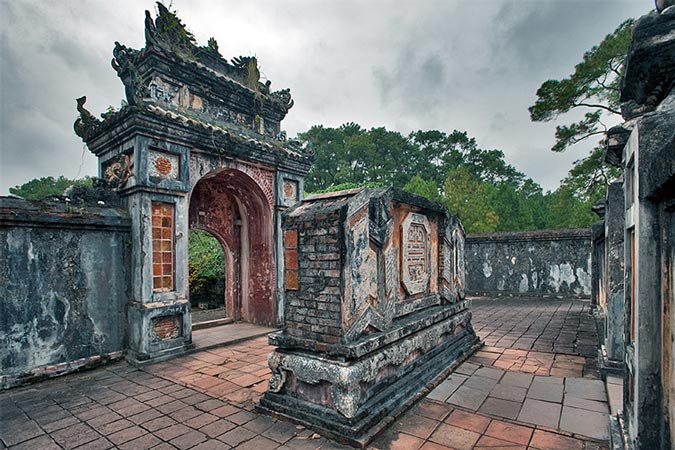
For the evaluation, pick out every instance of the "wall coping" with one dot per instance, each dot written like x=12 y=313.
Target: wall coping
x=534 y=235
x=17 y=212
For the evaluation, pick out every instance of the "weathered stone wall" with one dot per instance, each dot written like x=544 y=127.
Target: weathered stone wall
x=313 y=259
x=64 y=286
x=545 y=262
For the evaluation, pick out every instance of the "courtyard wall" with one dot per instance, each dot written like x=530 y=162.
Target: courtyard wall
x=64 y=287
x=554 y=263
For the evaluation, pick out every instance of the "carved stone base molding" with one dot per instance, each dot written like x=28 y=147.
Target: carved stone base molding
x=352 y=401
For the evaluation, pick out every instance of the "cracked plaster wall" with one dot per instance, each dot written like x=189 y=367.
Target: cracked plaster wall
x=64 y=288
x=546 y=262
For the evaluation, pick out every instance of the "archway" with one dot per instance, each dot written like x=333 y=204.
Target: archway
x=207 y=259
x=230 y=205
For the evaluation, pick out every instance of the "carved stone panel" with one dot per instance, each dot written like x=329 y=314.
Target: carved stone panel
x=163 y=165
x=290 y=191
x=416 y=248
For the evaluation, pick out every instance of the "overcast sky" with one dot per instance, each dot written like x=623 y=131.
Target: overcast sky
x=471 y=65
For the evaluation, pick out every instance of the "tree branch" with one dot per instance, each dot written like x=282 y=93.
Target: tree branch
x=593 y=105
x=574 y=139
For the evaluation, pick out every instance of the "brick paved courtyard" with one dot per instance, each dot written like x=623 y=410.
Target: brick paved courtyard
x=514 y=394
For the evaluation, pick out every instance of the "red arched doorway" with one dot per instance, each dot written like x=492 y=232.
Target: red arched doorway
x=230 y=205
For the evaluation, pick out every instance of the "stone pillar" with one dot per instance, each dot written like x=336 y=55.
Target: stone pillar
x=289 y=190
x=613 y=277
x=155 y=189
x=372 y=280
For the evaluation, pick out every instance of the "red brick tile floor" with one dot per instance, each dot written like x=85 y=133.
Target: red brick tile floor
x=206 y=400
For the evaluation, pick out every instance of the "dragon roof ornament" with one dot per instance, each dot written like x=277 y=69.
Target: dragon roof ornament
x=176 y=74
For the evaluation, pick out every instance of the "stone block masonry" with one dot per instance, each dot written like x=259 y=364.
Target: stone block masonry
x=64 y=287
x=374 y=310
x=554 y=263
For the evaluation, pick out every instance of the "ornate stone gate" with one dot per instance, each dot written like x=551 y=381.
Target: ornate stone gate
x=198 y=143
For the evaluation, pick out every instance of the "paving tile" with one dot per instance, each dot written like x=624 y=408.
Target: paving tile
x=145 y=441
x=585 y=388
x=467 y=368
x=434 y=446
x=59 y=424
x=590 y=405
x=588 y=423
x=242 y=417
x=171 y=406
x=42 y=442
x=487 y=442
x=550 y=392
x=540 y=413
x=126 y=435
x=468 y=421
x=100 y=444
x=517 y=379
x=195 y=398
x=210 y=404
x=500 y=408
x=480 y=383
x=468 y=398
x=188 y=440
x=158 y=423
x=549 y=380
x=185 y=414
x=145 y=416
x=416 y=425
x=489 y=372
x=454 y=437
x=432 y=410
x=396 y=441
x=201 y=420
x=259 y=424
x=113 y=427
x=510 y=432
x=225 y=411
x=212 y=445
x=508 y=392
x=215 y=429
x=544 y=440
x=280 y=432
x=237 y=436
x=171 y=432
x=447 y=387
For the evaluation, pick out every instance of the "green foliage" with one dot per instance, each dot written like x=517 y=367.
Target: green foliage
x=41 y=188
x=468 y=196
x=173 y=31
x=425 y=188
x=589 y=177
x=351 y=154
x=345 y=186
x=487 y=192
x=594 y=84
x=206 y=262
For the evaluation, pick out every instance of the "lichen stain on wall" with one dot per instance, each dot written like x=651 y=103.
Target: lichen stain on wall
x=487 y=269
x=560 y=274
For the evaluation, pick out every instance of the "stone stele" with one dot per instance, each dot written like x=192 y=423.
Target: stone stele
x=375 y=312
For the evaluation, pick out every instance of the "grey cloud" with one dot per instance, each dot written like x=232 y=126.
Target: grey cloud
x=470 y=65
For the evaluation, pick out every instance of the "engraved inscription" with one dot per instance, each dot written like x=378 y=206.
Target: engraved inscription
x=416 y=254
x=416 y=242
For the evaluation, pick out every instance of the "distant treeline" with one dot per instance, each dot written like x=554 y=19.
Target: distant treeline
x=488 y=193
